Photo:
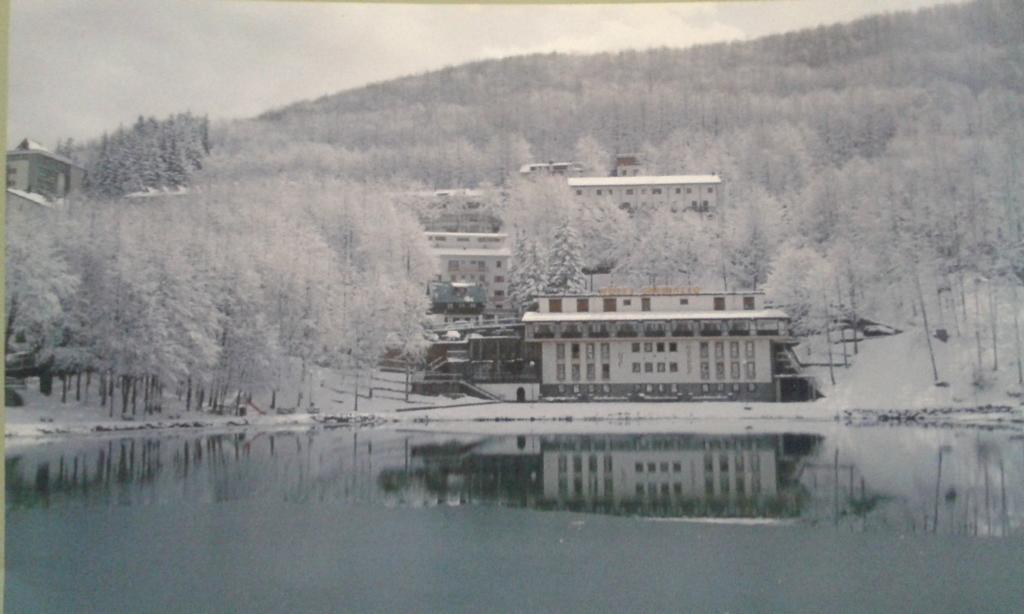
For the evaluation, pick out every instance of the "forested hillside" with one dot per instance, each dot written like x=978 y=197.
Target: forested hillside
x=873 y=169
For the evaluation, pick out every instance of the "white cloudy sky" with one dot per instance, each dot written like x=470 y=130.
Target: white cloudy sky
x=79 y=67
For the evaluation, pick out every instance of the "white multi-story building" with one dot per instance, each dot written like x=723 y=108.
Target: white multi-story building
x=645 y=193
x=477 y=257
x=660 y=343
x=571 y=169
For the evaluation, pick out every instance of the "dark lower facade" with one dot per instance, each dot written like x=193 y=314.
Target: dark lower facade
x=745 y=391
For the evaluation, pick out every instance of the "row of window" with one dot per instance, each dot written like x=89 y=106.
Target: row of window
x=467 y=239
x=596 y=389
x=590 y=349
x=606 y=372
x=610 y=304
x=606 y=350
x=471 y=265
x=631 y=191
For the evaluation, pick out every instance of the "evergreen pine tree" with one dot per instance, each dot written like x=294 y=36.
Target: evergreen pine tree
x=565 y=268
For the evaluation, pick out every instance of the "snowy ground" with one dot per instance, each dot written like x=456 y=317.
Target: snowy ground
x=889 y=380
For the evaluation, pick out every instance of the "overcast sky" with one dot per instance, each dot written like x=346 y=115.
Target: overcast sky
x=79 y=67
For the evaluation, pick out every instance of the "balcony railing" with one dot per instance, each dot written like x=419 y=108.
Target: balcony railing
x=654 y=331
x=599 y=333
x=682 y=332
x=572 y=332
x=626 y=331
x=543 y=333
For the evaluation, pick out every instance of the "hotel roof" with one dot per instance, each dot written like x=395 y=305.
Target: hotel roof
x=619 y=316
x=583 y=182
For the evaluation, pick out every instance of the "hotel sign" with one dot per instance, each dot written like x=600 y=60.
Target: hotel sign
x=652 y=291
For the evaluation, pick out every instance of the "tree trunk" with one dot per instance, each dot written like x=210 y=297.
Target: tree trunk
x=924 y=316
x=134 y=384
x=146 y=383
x=199 y=401
x=828 y=340
x=125 y=393
x=63 y=388
x=1016 y=334
x=977 y=321
x=78 y=387
x=88 y=381
x=273 y=399
x=188 y=394
x=103 y=390
x=993 y=317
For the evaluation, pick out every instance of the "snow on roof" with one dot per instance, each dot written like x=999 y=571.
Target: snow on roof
x=583 y=182
x=28 y=145
x=619 y=316
x=456 y=251
x=646 y=292
x=32 y=145
x=38 y=199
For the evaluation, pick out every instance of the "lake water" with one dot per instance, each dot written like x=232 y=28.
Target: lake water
x=829 y=518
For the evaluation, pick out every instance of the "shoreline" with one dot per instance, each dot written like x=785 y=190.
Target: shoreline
x=532 y=416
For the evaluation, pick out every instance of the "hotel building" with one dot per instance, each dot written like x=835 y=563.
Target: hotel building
x=477 y=257
x=666 y=344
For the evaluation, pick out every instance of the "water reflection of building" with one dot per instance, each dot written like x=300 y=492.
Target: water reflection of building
x=663 y=475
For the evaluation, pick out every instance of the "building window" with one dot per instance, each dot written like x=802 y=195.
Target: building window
x=629 y=191
x=661 y=367
x=705 y=371
x=575 y=373
x=734 y=349
x=673 y=347
x=656 y=191
x=694 y=204
x=498 y=279
x=648 y=347
x=645 y=304
x=734 y=370
x=609 y=304
x=749 y=348
x=673 y=367
x=592 y=371
x=751 y=387
x=703 y=349
x=500 y=293
x=575 y=351
x=704 y=205
x=748 y=303
x=648 y=367
x=497 y=264
x=606 y=371
x=711 y=190
x=453 y=265
x=719 y=350
x=560 y=351
x=719 y=370
x=555 y=305
x=606 y=351
x=684 y=301
x=582 y=305
x=661 y=346
x=719 y=303
x=751 y=371
x=599 y=192
x=590 y=351
x=579 y=192
x=627 y=302
x=636 y=347
x=636 y=367
x=677 y=190
x=560 y=372
x=690 y=191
